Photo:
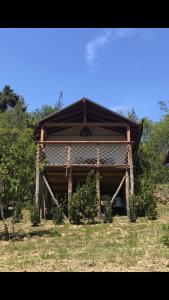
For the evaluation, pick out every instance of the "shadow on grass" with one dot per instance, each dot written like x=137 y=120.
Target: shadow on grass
x=19 y=236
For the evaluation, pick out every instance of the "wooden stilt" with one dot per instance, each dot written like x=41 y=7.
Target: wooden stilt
x=70 y=189
x=98 y=196
x=37 y=179
x=131 y=181
x=118 y=190
x=51 y=193
x=127 y=191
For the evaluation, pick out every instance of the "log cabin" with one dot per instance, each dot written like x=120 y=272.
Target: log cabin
x=82 y=137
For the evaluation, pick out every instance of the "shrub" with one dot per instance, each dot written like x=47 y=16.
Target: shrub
x=57 y=215
x=145 y=203
x=107 y=212
x=35 y=216
x=149 y=199
x=165 y=239
x=83 y=204
x=133 y=208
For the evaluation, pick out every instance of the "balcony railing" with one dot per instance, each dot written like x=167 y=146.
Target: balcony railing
x=81 y=153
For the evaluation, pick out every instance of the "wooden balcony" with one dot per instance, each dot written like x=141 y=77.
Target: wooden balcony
x=95 y=154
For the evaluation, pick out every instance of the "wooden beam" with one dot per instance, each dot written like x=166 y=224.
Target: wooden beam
x=50 y=191
x=70 y=189
x=42 y=134
x=128 y=133
x=118 y=190
x=85 y=142
x=127 y=192
x=84 y=111
x=67 y=124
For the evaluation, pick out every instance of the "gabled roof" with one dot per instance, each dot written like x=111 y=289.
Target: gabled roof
x=95 y=113
x=90 y=102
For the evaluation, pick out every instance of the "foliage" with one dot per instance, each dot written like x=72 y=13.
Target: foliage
x=83 y=204
x=57 y=215
x=44 y=111
x=134 y=202
x=165 y=238
x=34 y=216
x=9 y=99
x=143 y=204
x=17 y=161
x=149 y=199
x=133 y=116
x=107 y=211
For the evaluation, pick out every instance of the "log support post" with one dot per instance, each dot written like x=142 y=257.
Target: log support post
x=98 y=195
x=127 y=191
x=37 y=190
x=70 y=189
x=130 y=162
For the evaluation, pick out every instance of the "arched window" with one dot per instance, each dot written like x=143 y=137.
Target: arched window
x=85 y=132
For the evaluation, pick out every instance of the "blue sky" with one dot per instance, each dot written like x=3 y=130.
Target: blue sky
x=120 y=68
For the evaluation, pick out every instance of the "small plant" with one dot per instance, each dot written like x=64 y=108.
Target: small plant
x=35 y=216
x=133 y=208
x=165 y=239
x=83 y=204
x=57 y=215
x=149 y=199
x=107 y=212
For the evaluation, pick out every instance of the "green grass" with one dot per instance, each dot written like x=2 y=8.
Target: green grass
x=120 y=246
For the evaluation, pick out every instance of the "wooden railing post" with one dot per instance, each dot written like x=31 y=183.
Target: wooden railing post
x=69 y=154
x=42 y=136
x=98 y=155
x=130 y=161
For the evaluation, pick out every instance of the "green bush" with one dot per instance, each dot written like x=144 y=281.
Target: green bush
x=165 y=239
x=35 y=216
x=149 y=200
x=83 y=204
x=134 y=202
x=57 y=215
x=107 y=211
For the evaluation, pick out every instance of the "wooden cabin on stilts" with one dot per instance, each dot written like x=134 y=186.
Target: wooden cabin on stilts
x=79 y=138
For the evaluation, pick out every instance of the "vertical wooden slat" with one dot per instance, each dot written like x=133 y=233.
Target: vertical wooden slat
x=127 y=191
x=70 y=189
x=98 y=155
x=69 y=154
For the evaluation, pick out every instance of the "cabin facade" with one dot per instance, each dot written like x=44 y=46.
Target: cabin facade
x=82 y=137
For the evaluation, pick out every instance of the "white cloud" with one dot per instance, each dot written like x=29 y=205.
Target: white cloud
x=112 y=34
x=95 y=44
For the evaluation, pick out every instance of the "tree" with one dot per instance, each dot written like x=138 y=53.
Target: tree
x=133 y=116
x=45 y=111
x=9 y=99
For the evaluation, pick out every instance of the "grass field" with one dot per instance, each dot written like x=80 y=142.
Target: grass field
x=120 y=246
